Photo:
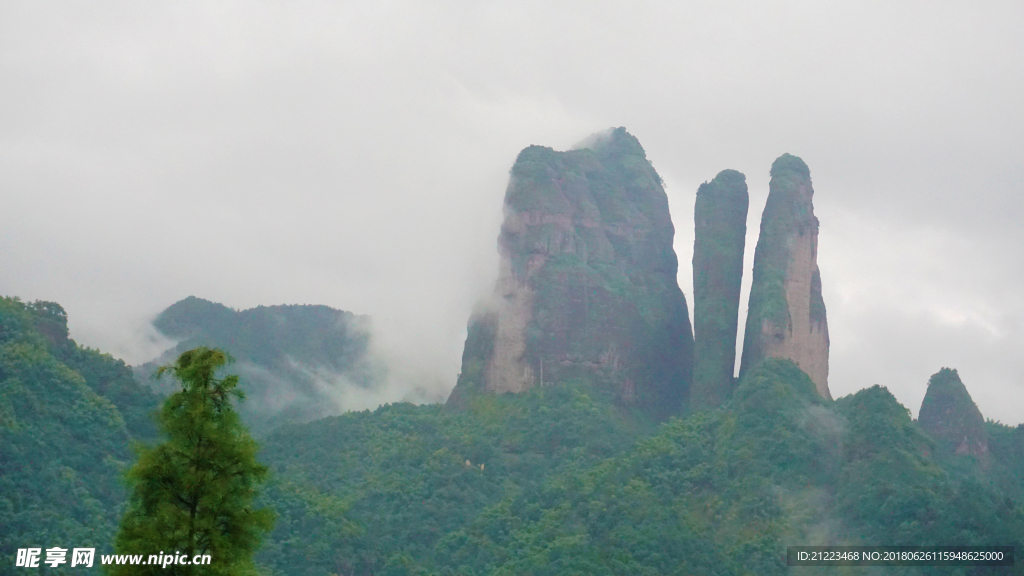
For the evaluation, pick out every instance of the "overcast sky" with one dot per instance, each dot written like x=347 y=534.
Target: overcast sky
x=355 y=154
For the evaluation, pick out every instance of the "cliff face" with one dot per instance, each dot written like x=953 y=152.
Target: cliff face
x=786 y=315
x=587 y=282
x=720 y=219
x=950 y=416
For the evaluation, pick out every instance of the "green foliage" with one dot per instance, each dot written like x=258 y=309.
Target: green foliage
x=401 y=477
x=683 y=501
x=480 y=336
x=892 y=490
x=783 y=420
x=787 y=163
x=1006 y=467
x=569 y=488
x=950 y=416
x=64 y=442
x=113 y=379
x=193 y=493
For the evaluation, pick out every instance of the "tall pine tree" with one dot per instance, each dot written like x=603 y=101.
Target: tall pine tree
x=193 y=494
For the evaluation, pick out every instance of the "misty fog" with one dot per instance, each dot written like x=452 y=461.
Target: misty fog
x=356 y=155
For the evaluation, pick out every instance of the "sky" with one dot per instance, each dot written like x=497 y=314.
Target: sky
x=355 y=154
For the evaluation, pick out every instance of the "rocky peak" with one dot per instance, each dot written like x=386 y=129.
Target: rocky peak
x=950 y=416
x=720 y=219
x=786 y=315
x=587 y=282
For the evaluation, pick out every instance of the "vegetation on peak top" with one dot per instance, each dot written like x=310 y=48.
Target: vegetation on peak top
x=191 y=316
x=789 y=163
x=880 y=423
x=727 y=181
x=947 y=397
x=45 y=323
x=42 y=326
x=947 y=381
x=951 y=417
x=616 y=150
x=535 y=153
x=609 y=180
x=617 y=143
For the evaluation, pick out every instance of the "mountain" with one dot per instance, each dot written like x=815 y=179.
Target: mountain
x=720 y=220
x=555 y=480
x=786 y=314
x=297 y=363
x=539 y=464
x=68 y=417
x=587 y=284
x=950 y=416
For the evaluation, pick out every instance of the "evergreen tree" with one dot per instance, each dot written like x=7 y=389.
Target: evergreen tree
x=193 y=494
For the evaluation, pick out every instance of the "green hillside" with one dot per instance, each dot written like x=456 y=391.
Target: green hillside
x=68 y=416
x=569 y=487
x=558 y=480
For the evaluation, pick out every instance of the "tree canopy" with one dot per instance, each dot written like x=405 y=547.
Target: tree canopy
x=194 y=492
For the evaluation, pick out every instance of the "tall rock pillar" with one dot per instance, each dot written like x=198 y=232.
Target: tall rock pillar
x=587 y=286
x=720 y=219
x=786 y=315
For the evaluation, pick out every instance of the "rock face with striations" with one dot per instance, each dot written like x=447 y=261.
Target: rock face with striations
x=786 y=314
x=720 y=219
x=950 y=416
x=587 y=284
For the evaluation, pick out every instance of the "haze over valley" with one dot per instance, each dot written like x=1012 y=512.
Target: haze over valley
x=510 y=288
x=355 y=156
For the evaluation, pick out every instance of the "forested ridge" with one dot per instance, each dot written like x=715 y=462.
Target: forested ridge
x=295 y=360
x=68 y=417
x=556 y=480
x=571 y=486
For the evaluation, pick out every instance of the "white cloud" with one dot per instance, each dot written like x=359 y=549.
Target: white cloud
x=355 y=155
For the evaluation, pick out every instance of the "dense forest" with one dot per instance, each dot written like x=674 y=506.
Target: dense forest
x=68 y=417
x=556 y=480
